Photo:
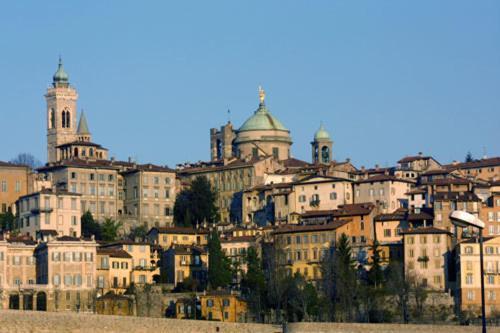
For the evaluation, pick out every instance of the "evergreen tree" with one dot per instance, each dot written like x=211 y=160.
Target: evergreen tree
x=196 y=204
x=219 y=266
x=468 y=157
x=375 y=274
x=89 y=226
x=7 y=221
x=345 y=279
x=138 y=232
x=253 y=284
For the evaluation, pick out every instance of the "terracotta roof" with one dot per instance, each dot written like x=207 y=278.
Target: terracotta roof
x=422 y=215
x=354 y=209
x=398 y=215
x=448 y=181
x=310 y=227
x=149 y=167
x=408 y=159
x=383 y=178
x=474 y=240
x=485 y=162
x=179 y=230
x=294 y=163
x=238 y=239
x=187 y=249
x=113 y=252
x=12 y=165
x=50 y=191
x=458 y=196
x=425 y=230
x=81 y=143
x=26 y=240
x=435 y=172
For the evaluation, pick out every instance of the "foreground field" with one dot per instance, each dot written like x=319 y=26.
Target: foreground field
x=21 y=321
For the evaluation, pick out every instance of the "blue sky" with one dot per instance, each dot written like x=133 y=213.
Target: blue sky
x=388 y=78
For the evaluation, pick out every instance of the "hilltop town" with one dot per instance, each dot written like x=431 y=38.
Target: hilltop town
x=252 y=235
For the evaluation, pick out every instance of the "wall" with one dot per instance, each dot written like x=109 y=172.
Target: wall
x=18 y=321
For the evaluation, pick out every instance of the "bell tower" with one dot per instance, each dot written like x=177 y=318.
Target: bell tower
x=321 y=146
x=61 y=113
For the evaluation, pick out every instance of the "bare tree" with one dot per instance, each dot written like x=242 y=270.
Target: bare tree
x=26 y=159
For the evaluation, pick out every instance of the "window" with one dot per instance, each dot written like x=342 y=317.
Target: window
x=302 y=198
x=68 y=280
x=423 y=239
x=333 y=196
x=56 y=279
x=91 y=176
x=468 y=250
x=492 y=295
x=490 y=250
x=470 y=295
x=387 y=232
x=4 y=186
x=436 y=239
x=225 y=302
x=468 y=278
x=411 y=240
x=18 y=186
x=491 y=279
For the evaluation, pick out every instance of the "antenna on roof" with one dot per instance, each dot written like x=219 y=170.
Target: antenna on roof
x=229 y=115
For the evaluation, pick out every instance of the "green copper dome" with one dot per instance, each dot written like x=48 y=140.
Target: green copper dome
x=60 y=76
x=321 y=134
x=262 y=119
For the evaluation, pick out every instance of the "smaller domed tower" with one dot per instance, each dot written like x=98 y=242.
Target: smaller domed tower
x=321 y=146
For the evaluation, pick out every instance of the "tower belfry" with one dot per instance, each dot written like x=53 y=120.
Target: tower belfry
x=61 y=113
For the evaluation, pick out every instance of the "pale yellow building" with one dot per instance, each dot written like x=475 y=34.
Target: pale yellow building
x=145 y=260
x=468 y=292
x=426 y=256
x=114 y=270
x=224 y=306
x=168 y=236
x=49 y=211
x=181 y=262
x=304 y=246
x=15 y=181
x=387 y=192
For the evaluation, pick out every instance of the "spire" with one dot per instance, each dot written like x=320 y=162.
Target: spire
x=60 y=78
x=83 y=128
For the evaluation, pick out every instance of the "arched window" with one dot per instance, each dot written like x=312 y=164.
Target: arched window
x=52 y=118
x=325 y=154
x=83 y=152
x=91 y=152
x=76 y=152
x=63 y=119
x=68 y=119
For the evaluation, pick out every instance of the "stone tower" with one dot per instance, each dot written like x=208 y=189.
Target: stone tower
x=321 y=147
x=61 y=113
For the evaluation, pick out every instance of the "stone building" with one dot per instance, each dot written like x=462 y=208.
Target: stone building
x=229 y=180
x=181 y=262
x=15 y=181
x=304 y=246
x=114 y=270
x=49 y=211
x=224 y=306
x=168 y=236
x=386 y=191
x=427 y=253
x=468 y=288
x=53 y=275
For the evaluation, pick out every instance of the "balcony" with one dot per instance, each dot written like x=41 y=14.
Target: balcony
x=39 y=210
x=314 y=203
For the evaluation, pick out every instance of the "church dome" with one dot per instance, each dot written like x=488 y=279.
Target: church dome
x=321 y=134
x=262 y=119
x=60 y=76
